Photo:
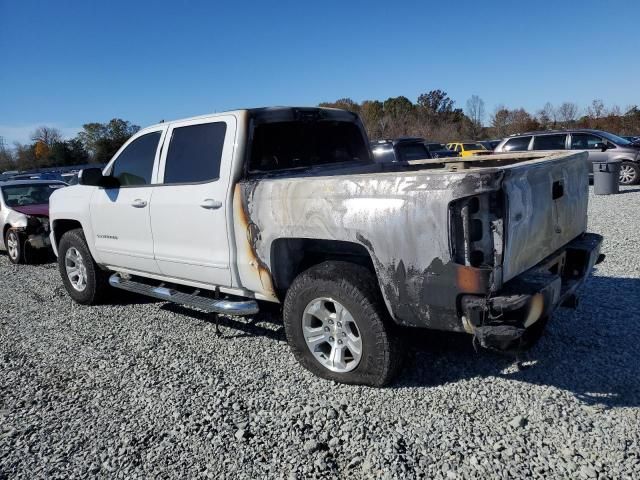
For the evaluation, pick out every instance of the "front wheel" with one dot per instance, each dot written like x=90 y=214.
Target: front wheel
x=15 y=249
x=82 y=278
x=338 y=327
x=629 y=173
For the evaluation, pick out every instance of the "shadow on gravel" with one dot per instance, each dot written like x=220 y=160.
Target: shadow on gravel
x=36 y=257
x=266 y=324
x=591 y=352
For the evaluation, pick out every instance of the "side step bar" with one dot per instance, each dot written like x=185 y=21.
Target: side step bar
x=211 y=305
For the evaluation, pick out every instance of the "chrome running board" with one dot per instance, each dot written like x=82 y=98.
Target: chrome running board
x=211 y=305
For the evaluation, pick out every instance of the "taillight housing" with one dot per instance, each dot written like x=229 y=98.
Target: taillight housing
x=476 y=230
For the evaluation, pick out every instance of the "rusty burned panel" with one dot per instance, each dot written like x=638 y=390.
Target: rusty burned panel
x=400 y=218
x=547 y=208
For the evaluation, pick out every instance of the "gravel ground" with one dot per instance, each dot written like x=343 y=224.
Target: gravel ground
x=145 y=389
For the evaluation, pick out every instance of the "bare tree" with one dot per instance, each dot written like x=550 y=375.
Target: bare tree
x=547 y=116
x=475 y=109
x=614 y=111
x=475 y=112
x=47 y=135
x=568 y=112
x=6 y=158
x=596 y=109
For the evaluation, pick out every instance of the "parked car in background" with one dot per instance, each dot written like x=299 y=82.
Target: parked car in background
x=24 y=216
x=601 y=146
x=466 y=149
x=440 y=150
x=399 y=150
x=632 y=139
x=490 y=144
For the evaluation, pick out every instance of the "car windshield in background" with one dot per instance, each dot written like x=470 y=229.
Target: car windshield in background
x=473 y=146
x=615 y=139
x=290 y=145
x=434 y=147
x=29 y=194
x=412 y=151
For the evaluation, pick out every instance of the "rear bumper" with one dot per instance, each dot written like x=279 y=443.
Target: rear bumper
x=509 y=319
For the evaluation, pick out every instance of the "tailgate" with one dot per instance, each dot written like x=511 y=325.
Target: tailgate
x=546 y=208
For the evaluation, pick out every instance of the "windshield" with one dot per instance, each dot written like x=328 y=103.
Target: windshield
x=473 y=146
x=615 y=139
x=29 y=194
x=297 y=144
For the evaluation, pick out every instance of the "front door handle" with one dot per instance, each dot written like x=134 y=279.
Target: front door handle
x=210 y=204
x=139 y=203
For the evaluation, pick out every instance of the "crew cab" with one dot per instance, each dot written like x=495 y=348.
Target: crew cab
x=285 y=205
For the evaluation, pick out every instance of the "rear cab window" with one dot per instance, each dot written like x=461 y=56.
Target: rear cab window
x=292 y=145
x=517 y=144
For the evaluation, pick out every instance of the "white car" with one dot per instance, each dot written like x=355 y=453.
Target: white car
x=24 y=216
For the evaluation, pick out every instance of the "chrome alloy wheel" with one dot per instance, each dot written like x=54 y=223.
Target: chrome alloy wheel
x=76 y=270
x=332 y=335
x=627 y=174
x=13 y=243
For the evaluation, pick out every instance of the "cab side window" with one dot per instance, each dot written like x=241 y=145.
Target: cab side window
x=195 y=153
x=134 y=165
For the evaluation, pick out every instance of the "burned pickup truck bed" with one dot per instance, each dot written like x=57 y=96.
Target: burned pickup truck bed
x=445 y=236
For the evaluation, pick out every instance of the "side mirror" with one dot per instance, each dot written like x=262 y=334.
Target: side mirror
x=601 y=145
x=93 y=177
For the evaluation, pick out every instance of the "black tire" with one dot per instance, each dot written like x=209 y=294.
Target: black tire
x=355 y=288
x=97 y=283
x=632 y=176
x=16 y=254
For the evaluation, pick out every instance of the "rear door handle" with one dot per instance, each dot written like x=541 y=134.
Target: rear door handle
x=210 y=204
x=139 y=203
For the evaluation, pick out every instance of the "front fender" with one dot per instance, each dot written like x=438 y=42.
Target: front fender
x=16 y=219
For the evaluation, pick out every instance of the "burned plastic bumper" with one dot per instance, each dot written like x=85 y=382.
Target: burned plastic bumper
x=512 y=318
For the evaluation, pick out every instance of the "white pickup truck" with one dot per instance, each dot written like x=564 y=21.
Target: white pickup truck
x=225 y=211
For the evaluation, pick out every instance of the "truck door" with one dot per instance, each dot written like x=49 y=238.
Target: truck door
x=120 y=216
x=189 y=209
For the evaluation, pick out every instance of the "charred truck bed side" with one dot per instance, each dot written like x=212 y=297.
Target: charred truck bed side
x=435 y=238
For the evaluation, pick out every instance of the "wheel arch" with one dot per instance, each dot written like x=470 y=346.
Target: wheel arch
x=291 y=256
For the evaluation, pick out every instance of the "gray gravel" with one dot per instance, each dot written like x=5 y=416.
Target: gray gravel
x=145 y=389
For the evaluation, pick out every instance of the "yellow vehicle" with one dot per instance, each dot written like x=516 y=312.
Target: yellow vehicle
x=466 y=149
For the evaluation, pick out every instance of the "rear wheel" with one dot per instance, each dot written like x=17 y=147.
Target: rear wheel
x=338 y=327
x=15 y=249
x=82 y=278
x=629 y=173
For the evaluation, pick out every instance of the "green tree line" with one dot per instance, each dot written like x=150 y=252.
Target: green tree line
x=95 y=143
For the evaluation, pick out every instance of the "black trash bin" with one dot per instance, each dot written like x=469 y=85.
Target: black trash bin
x=606 y=177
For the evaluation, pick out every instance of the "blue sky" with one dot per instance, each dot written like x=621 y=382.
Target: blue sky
x=65 y=63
